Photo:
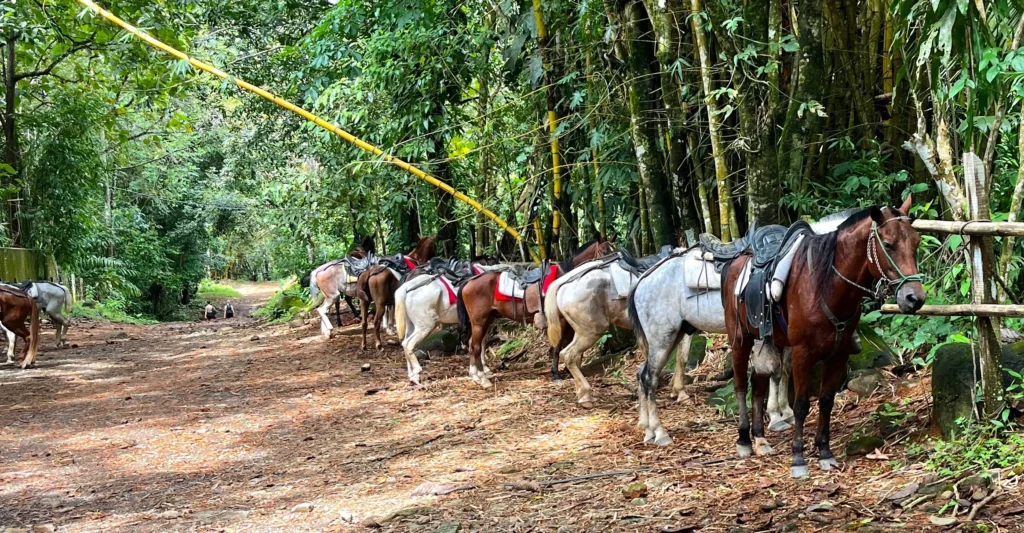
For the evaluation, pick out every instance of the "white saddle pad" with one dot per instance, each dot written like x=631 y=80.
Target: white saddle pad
x=701 y=274
x=510 y=287
x=622 y=280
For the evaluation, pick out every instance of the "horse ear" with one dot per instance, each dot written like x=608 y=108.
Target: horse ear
x=876 y=214
x=905 y=208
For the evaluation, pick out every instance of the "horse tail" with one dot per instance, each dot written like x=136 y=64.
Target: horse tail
x=33 y=343
x=314 y=289
x=400 y=311
x=551 y=313
x=634 y=318
x=363 y=285
x=460 y=308
x=67 y=298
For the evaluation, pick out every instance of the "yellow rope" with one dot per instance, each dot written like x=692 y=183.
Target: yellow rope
x=281 y=102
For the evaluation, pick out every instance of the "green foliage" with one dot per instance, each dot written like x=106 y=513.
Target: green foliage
x=286 y=304
x=979 y=448
x=209 y=289
x=108 y=310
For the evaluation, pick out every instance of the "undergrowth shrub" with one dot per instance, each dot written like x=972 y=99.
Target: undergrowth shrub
x=110 y=310
x=211 y=289
x=286 y=304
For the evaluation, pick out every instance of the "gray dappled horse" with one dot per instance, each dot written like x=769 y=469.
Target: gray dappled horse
x=682 y=295
x=54 y=299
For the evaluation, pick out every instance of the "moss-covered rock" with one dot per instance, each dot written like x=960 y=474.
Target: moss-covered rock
x=952 y=386
x=864 y=445
x=1013 y=359
x=814 y=386
x=439 y=342
x=869 y=359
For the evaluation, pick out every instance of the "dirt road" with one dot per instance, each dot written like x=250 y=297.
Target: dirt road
x=229 y=426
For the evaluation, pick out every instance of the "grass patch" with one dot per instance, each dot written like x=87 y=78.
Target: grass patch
x=979 y=448
x=108 y=311
x=210 y=290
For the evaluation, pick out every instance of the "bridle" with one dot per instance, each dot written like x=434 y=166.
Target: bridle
x=885 y=285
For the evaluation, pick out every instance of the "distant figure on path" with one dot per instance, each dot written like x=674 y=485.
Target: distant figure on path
x=229 y=312
x=210 y=313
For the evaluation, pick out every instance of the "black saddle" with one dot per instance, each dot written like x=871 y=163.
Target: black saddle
x=641 y=265
x=527 y=277
x=358 y=265
x=395 y=262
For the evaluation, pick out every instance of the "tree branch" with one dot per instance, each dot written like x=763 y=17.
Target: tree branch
x=46 y=71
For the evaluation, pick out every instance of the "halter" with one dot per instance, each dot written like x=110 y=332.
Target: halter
x=884 y=285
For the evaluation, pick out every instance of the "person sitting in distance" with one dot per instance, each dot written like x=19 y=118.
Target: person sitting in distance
x=229 y=311
x=209 y=312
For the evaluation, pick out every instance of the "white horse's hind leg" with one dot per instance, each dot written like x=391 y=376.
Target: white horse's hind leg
x=572 y=356
x=10 y=344
x=325 y=323
x=682 y=354
x=647 y=377
x=779 y=412
x=417 y=329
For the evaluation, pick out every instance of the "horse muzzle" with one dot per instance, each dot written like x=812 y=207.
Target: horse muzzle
x=910 y=298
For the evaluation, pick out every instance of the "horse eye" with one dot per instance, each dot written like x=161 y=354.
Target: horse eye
x=888 y=245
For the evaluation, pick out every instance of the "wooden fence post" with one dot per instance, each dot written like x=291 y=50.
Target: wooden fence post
x=983 y=288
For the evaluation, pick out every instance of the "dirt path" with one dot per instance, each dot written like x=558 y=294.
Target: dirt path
x=228 y=426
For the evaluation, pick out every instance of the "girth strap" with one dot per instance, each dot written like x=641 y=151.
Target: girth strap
x=840 y=325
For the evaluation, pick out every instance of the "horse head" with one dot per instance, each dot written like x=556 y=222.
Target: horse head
x=892 y=254
x=424 y=250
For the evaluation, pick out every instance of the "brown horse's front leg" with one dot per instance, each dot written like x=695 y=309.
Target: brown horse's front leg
x=831 y=379
x=741 y=346
x=801 y=406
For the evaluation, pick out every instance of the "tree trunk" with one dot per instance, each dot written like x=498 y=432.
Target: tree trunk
x=12 y=154
x=643 y=122
x=714 y=124
x=801 y=120
x=666 y=33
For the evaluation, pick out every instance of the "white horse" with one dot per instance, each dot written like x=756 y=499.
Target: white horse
x=422 y=304
x=52 y=298
x=592 y=298
x=335 y=281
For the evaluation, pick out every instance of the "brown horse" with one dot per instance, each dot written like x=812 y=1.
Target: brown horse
x=819 y=312
x=378 y=285
x=478 y=306
x=15 y=306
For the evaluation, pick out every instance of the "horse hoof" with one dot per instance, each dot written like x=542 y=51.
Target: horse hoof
x=557 y=380
x=587 y=404
x=648 y=436
x=761 y=447
x=779 y=425
x=828 y=464
x=744 y=450
x=800 y=472
x=663 y=440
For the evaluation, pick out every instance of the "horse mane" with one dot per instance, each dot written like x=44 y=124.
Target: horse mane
x=823 y=246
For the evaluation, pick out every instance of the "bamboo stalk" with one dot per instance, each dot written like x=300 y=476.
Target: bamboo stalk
x=987 y=228
x=281 y=102
x=981 y=310
x=552 y=120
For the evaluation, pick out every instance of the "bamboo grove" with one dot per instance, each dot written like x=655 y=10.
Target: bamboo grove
x=646 y=120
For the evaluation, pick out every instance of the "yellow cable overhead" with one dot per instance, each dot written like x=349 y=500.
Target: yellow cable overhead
x=281 y=102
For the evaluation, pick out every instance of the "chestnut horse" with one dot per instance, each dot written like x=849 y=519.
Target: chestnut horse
x=15 y=306
x=477 y=306
x=819 y=312
x=331 y=279
x=378 y=285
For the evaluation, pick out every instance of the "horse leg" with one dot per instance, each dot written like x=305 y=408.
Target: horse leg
x=325 y=322
x=741 y=347
x=414 y=334
x=476 y=366
x=647 y=378
x=572 y=355
x=830 y=381
x=378 y=317
x=568 y=334
x=682 y=353
x=780 y=413
x=801 y=406
x=337 y=311
x=10 y=344
x=760 y=385
x=351 y=307
x=483 y=373
x=363 y=319
x=20 y=330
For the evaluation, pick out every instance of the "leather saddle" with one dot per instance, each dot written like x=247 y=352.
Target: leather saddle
x=358 y=265
x=526 y=276
x=453 y=270
x=765 y=245
x=395 y=262
x=641 y=265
